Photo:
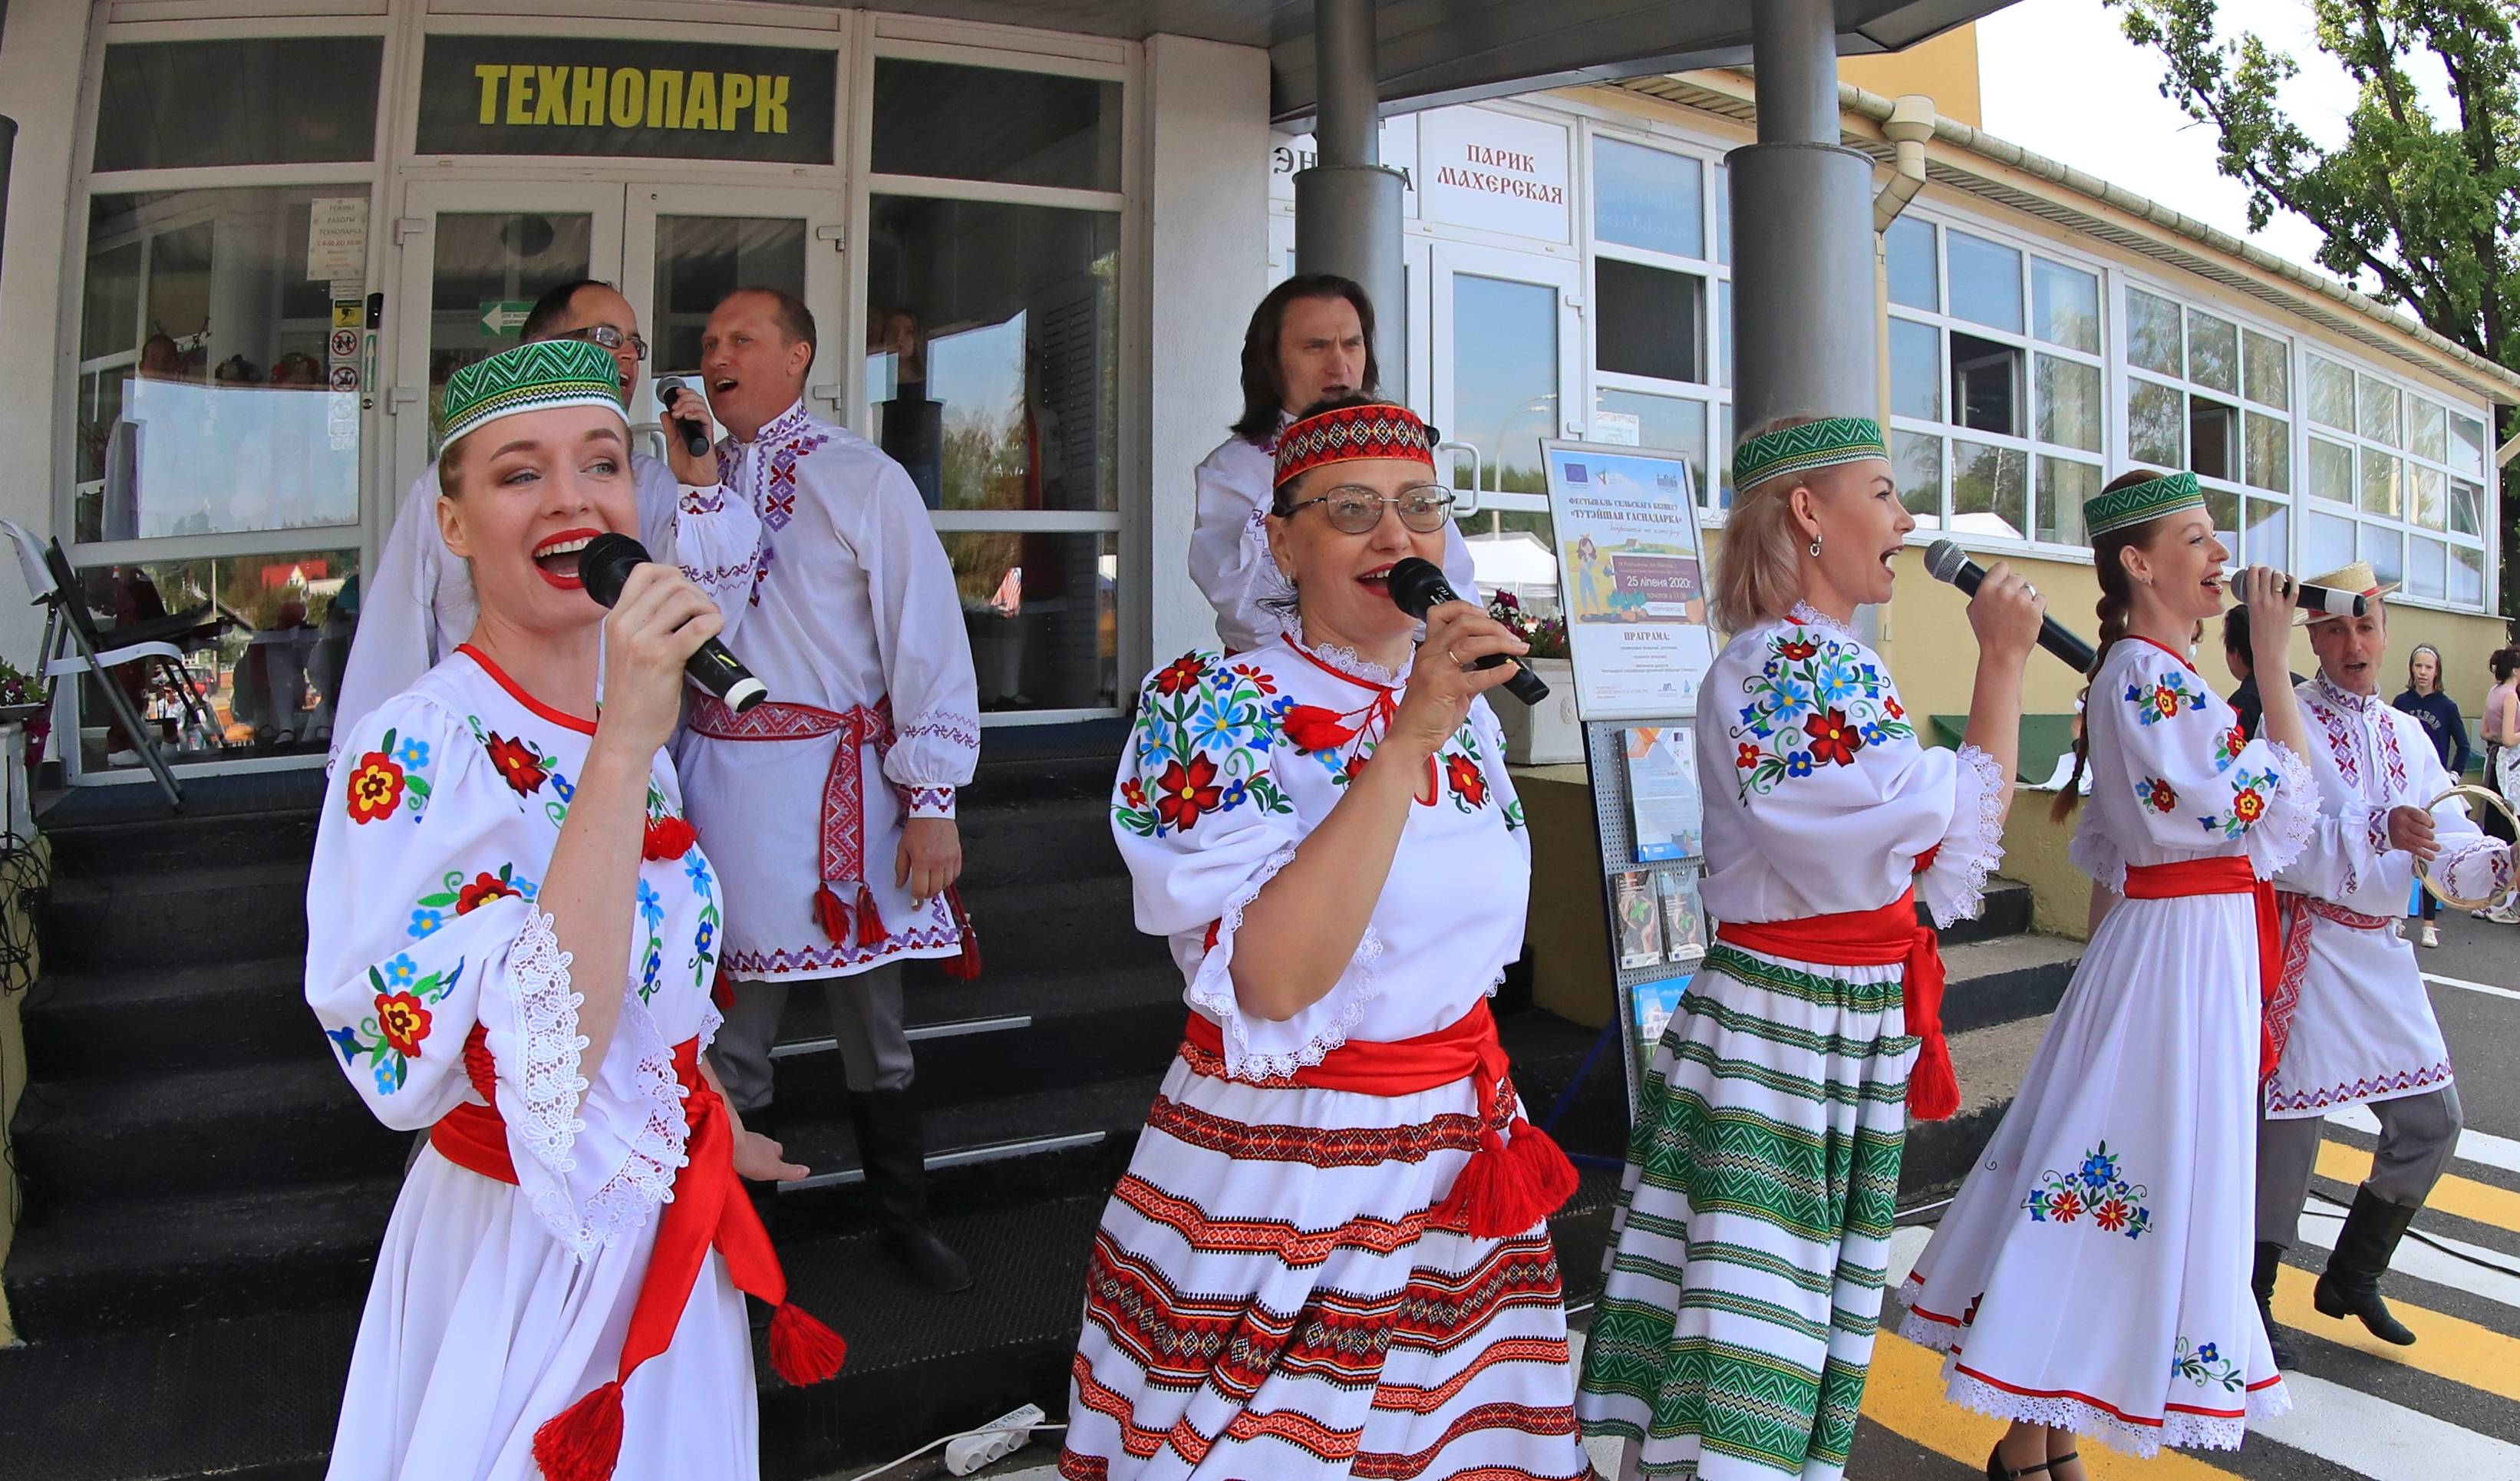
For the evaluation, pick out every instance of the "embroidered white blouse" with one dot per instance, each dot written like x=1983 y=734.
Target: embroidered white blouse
x=1216 y=792
x=1831 y=800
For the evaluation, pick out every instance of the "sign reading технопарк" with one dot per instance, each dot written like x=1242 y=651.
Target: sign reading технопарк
x=576 y=95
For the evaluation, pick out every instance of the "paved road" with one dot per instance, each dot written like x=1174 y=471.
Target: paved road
x=2448 y=1407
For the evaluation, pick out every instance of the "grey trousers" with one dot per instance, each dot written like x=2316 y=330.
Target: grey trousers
x=2418 y=1136
x=865 y=1017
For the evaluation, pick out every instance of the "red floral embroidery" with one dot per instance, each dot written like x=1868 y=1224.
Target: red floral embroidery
x=1186 y=793
x=2112 y=1216
x=1134 y=793
x=1260 y=681
x=1180 y=675
x=1890 y=706
x=1833 y=740
x=2238 y=740
x=2065 y=1207
x=1746 y=758
x=1468 y=783
x=1796 y=650
x=2248 y=805
x=376 y=788
x=667 y=837
x=518 y=764
x=402 y=1020
x=2159 y=796
x=483 y=889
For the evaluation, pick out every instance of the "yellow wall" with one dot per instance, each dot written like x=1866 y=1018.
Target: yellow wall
x=12 y=1068
x=1944 y=69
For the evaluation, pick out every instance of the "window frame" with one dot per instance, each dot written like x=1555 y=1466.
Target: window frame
x=2405 y=525
x=2188 y=388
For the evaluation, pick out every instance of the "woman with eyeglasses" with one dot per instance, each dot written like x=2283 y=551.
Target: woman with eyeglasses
x=1329 y=1255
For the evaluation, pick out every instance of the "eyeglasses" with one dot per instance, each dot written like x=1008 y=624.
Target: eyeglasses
x=604 y=336
x=1354 y=509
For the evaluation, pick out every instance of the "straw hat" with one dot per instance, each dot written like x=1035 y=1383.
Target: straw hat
x=2357 y=577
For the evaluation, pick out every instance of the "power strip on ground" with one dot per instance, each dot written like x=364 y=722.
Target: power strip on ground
x=995 y=1441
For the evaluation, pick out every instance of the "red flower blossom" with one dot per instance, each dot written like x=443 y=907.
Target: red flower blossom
x=1259 y=681
x=1180 y=674
x=403 y=1020
x=2165 y=701
x=376 y=788
x=2111 y=1216
x=2238 y=740
x=1468 y=783
x=483 y=889
x=667 y=837
x=517 y=764
x=1747 y=757
x=1833 y=740
x=1314 y=729
x=2065 y=1207
x=2161 y=797
x=1185 y=792
x=1796 y=650
x=1134 y=793
x=2247 y=805
x=1890 y=706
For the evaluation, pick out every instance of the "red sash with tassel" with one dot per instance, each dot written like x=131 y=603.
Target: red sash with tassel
x=2227 y=874
x=1885 y=937
x=708 y=1209
x=1516 y=1178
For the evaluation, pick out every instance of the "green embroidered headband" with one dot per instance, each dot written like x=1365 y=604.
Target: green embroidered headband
x=1824 y=443
x=2103 y=514
x=531 y=378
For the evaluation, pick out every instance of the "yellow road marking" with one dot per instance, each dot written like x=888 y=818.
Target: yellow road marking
x=2463 y=1196
x=1905 y=1395
x=2446 y=1347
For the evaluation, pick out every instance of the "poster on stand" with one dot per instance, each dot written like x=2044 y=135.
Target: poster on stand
x=1634 y=903
x=1683 y=921
x=1650 y=1006
x=1632 y=578
x=1663 y=803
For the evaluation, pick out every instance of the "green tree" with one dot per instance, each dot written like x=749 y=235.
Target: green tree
x=2425 y=208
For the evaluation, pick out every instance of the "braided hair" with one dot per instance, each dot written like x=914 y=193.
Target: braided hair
x=2115 y=607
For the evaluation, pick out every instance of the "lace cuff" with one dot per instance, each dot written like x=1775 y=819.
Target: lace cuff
x=2101 y=858
x=1955 y=888
x=1262 y=1049
x=2291 y=819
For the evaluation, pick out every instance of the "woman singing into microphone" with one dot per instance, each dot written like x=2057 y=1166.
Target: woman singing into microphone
x=1735 y=1330
x=2093 y=1276
x=1329 y=1256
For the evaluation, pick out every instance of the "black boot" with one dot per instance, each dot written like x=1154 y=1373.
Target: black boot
x=2351 y=1284
x=894 y=1154
x=2261 y=1284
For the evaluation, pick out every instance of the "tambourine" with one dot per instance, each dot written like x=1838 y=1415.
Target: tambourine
x=2510 y=888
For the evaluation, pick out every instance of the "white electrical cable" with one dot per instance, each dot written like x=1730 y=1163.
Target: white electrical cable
x=944 y=1440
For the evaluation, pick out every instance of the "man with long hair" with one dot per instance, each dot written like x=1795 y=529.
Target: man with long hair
x=1310 y=341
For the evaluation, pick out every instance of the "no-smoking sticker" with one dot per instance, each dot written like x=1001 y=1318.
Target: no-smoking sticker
x=345 y=378
x=344 y=344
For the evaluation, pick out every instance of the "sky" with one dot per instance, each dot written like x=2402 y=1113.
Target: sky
x=2116 y=124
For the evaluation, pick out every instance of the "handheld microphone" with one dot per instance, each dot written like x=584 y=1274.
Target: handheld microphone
x=2317 y=600
x=1946 y=562
x=669 y=389
x=607 y=562
x=1419 y=586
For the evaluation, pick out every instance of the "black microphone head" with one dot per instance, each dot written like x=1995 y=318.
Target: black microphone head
x=1944 y=561
x=668 y=387
x=607 y=562
x=1419 y=586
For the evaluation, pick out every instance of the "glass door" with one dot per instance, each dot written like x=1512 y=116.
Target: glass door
x=1506 y=359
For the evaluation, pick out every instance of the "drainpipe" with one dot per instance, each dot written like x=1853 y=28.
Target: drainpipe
x=1909 y=125
x=1347 y=205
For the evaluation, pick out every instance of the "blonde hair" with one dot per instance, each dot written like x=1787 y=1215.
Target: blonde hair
x=1758 y=572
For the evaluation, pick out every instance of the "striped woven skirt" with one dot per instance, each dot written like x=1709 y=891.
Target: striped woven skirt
x=1748 y=1247
x=1267 y=1299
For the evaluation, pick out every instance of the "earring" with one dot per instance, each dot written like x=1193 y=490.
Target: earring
x=1815 y=548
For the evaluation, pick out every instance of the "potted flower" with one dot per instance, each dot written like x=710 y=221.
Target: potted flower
x=21 y=696
x=1546 y=733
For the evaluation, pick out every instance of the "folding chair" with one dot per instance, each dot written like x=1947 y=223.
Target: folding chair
x=73 y=646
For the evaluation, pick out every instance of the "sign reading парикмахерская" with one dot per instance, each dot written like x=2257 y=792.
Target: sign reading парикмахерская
x=580 y=95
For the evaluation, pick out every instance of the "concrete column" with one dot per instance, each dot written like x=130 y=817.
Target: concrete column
x=1802 y=232
x=1347 y=205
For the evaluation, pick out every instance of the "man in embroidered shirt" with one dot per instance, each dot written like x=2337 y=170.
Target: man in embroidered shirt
x=1310 y=341
x=2349 y=1019
x=830 y=807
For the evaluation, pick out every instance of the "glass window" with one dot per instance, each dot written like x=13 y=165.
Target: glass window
x=2332 y=470
x=2467 y=445
x=2381 y=545
x=2379 y=412
x=2466 y=507
x=2428 y=490
x=2331 y=394
x=2266 y=541
x=1722 y=215
x=1652 y=320
x=2268 y=464
x=1042 y=612
x=1504 y=376
x=2268 y=376
x=2213 y=439
x=208 y=410
x=1986 y=385
x=2063 y=485
x=485 y=257
x=2155 y=424
x=996 y=329
x=268 y=99
x=2066 y=301
x=1673 y=423
x=1986 y=282
x=1990 y=490
x=1723 y=313
x=2224 y=506
x=2214 y=352
x=2069 y=403
x=2427 y=568
x=1916 y=369
x=1648 y=198
x=963 y=122
x=701 y=259
x=2380 y=484
x=1919 y=460
x=2428 y=430
x=2327 y=541
x=2466 y=574
x=2153 y=339
x=1909 y=241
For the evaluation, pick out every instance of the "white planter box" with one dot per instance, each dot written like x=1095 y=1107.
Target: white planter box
x=1546 y=734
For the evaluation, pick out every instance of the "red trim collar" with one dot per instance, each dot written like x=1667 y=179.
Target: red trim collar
x=518 y=693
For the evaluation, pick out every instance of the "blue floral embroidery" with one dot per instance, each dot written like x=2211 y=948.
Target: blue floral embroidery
x=1814 y=702
x=2205 y=1367
x=1201 y=747
x=651 y=905
x=696 y=869
x=425 y=923
x=413 y=753
x=2164 y=697
x=2250 y=792
x=2097 y=1191
x=402 y=972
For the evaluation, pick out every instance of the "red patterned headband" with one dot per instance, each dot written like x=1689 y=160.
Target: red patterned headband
x=1350 y=434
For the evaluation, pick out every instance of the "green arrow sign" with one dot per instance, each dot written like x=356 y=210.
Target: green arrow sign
x=504 y=318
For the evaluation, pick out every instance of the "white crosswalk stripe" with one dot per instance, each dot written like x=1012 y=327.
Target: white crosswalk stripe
x=2482 y=1147
x=2377 y=1438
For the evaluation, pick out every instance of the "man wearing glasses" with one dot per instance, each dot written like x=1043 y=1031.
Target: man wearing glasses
x=417 y=603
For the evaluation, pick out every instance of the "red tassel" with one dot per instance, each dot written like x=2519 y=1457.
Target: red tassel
x=966 y=967
x=832 y=915
x=1507 y=1187
x=871 y=929
x=1314 y=729
x=582 y=1442
x=1933 y=1086
x=802 y=1349
x=666 y=838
